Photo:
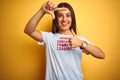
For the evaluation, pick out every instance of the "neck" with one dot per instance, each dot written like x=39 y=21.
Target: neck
x=66 y=32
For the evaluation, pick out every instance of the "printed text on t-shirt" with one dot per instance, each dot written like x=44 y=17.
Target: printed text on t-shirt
x=63 y=45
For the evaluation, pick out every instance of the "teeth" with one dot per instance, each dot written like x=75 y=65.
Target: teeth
x=64 y=23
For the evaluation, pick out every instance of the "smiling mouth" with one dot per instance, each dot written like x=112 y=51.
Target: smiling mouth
x=64 y=23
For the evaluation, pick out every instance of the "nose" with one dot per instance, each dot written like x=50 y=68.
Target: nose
x=64 y=18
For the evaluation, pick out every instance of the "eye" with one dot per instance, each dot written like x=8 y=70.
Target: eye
x=59 y=15
x=68 y=15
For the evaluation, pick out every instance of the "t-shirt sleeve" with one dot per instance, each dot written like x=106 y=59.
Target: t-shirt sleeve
x=44 y=36
x=84 y=39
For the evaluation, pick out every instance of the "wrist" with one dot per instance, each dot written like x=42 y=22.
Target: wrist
x=84 y=44
x=42 y=11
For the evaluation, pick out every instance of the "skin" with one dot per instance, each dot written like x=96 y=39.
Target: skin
x=64 y=22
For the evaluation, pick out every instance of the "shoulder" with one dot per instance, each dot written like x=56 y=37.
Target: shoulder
x=84 y=39
x=81 y=38
x=46 y=34
x=46 y=37
x=43 y=32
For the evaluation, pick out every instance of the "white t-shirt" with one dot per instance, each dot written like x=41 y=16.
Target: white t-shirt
x=62 y=61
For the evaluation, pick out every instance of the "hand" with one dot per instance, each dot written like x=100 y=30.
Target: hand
x=74 y=40
x=49 y=7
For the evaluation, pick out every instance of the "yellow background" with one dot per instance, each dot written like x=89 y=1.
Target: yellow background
x=22 y=59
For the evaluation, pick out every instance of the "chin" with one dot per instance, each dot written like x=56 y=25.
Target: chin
x=65 y=28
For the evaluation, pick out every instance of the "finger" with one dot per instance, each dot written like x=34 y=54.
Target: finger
x=70 y=44
x=54 y=6
x=73 y=46
x=45 y=5
x=53 y=16
x=49 y=2
x=72 y=31
x=51 y=13
x=60 y=9
x=66 y=37
x=51 y=6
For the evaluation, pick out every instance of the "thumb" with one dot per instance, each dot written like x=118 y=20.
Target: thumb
x=72 y=31
x=51 y=13
x=53 y=16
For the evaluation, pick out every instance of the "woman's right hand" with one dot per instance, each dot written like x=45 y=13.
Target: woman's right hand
x=49 y=8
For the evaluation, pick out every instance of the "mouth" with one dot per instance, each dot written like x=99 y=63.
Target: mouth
x=64 y=23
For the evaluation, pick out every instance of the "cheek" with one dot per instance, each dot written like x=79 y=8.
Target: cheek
x=70 y=19
x=59 y=21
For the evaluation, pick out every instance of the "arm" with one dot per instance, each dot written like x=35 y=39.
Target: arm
x=94 y=51
x=30 y=27
x=91 y=49
x=88 y=49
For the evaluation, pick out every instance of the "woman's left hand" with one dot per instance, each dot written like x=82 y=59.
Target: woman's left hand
x=74 y=40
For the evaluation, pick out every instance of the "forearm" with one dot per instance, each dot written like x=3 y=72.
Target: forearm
x=94 y=51
x=33 y=22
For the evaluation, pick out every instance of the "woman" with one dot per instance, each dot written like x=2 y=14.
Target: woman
x=63 y=47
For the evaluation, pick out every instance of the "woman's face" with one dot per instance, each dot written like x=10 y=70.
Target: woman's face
x=64 y=20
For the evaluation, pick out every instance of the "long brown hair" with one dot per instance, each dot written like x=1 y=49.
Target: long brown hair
x=55 y=26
